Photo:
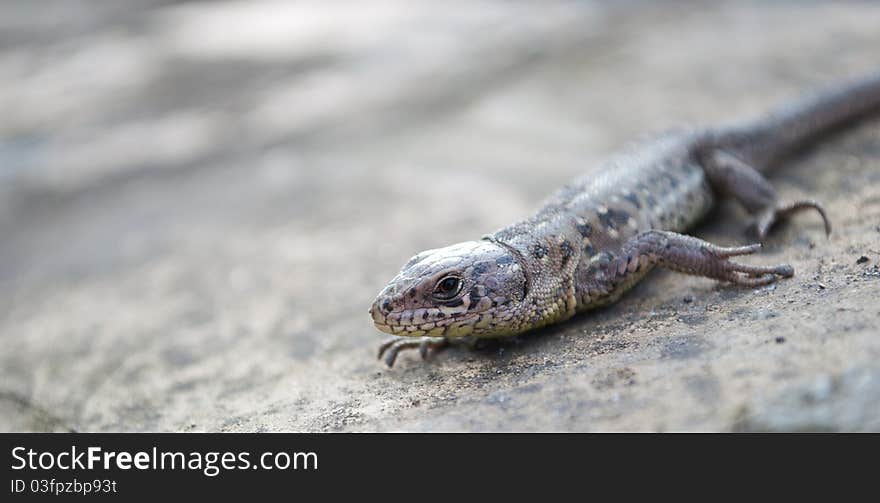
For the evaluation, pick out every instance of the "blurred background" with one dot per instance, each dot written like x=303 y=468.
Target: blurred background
x=199 y=200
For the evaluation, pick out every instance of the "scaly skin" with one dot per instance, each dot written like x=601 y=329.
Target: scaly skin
x=597 y=237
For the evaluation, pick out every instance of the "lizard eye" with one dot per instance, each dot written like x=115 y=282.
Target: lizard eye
x=447 y=288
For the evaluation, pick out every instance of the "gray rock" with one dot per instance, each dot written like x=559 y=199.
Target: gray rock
x=845 y=402
x=193 y=225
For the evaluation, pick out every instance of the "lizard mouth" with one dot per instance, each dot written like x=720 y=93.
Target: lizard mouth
x=409 y=323
x=406 y=329
x=445 y=327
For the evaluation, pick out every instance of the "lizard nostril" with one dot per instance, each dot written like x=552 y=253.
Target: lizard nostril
x=386 y=306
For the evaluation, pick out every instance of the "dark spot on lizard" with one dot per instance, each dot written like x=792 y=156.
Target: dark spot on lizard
x=567 y=252
x=589 y=250
x=586 y=230
x=481 y=268
x=504 y=260
x=539 y=251
x=634 y=199
x=614 y=219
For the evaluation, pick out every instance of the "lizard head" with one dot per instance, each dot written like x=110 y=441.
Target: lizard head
x=472 y=288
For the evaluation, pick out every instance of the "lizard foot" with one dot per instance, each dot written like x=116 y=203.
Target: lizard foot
x=391 y=348
x=769 y=217
x=749 y=275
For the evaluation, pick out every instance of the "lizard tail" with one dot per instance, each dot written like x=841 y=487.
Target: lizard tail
x=765 y=142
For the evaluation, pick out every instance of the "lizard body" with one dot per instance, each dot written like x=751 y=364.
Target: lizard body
x=598 y=236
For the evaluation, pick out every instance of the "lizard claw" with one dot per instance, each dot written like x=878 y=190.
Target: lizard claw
x=391 y=348
x=749 y=275
x=771 y=216
x=736 y=251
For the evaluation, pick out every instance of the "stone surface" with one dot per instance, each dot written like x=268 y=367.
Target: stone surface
x=199 y=200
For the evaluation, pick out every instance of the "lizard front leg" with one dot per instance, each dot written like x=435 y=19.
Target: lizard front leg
x=694 y=256
x=391 y=348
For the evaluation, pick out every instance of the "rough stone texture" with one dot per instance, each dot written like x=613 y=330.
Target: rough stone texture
x=198 y=202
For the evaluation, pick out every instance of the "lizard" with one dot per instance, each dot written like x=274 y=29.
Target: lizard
x=600 y=235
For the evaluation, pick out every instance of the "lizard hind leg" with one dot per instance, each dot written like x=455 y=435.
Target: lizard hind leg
x=694 y=256
x=782 y=211
x=730 y=175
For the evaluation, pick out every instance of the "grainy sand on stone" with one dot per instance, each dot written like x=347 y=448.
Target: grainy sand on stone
x=198 y=202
